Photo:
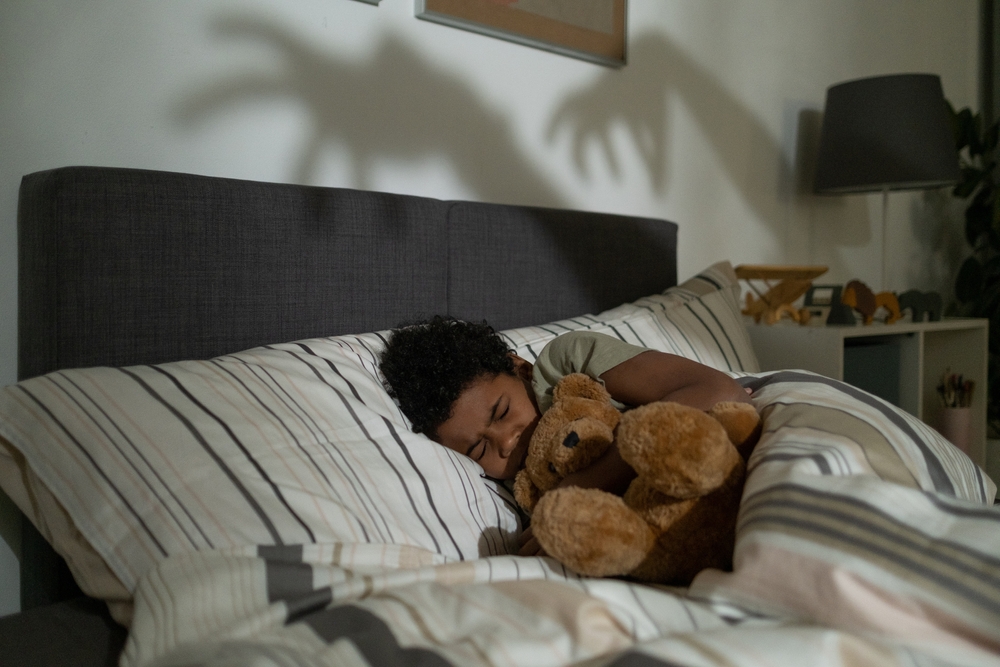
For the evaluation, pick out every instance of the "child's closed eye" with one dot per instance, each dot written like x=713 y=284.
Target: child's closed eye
x=481 y=446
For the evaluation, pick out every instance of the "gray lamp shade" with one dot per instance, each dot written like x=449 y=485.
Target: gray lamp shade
x=886 y=133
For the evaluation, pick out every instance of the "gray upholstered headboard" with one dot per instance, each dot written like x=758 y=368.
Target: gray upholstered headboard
x=126 y=266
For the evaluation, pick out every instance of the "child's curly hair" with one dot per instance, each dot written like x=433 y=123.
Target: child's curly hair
x=428 y=364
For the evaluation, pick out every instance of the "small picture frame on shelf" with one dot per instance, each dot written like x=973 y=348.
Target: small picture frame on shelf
x=825 y=307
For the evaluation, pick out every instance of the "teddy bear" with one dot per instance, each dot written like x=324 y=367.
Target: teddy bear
x=677 y=517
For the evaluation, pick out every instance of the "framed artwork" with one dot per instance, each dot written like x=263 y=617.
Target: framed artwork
x=593 y=30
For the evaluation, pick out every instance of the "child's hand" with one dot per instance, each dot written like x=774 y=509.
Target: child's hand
x=529 y=545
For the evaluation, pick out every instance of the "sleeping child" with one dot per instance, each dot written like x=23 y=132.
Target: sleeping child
x=461 y=385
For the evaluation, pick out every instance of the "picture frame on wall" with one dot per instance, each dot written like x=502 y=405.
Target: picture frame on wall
x=592 y=30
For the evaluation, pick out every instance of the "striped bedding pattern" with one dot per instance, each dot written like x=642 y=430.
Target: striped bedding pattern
x=303 y=606
x=864 y=538
x=857 y=516
x=313 y=605
x=285 y=444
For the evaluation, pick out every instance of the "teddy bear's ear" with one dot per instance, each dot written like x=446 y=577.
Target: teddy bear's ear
x=525 y=492
x=581 y=385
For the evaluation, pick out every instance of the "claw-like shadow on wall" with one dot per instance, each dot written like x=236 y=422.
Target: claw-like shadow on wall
x=639 y=98
x=393 y=105
x=397 y=106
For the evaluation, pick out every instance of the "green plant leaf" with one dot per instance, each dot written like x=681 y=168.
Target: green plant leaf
x=969 y=281
x=978 y=221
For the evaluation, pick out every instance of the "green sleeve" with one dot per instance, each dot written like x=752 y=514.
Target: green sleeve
x=577 y=352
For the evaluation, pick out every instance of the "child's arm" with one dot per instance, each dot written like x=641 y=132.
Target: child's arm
x=657 y=376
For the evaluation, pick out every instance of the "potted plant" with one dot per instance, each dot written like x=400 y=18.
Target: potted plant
x=977 y=286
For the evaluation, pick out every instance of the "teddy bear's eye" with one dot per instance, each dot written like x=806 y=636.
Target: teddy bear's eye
x=552 y=469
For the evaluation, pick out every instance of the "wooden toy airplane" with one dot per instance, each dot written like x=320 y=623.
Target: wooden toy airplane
x=784 y=284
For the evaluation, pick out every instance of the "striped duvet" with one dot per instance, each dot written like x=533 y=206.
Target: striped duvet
x=863 y=539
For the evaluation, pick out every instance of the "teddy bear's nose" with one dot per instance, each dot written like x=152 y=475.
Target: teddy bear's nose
x=571 y=440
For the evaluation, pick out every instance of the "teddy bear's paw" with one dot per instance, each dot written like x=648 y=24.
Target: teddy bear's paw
x=681 y=451
x=525 y=492
x=742 y=423
x=591 y=532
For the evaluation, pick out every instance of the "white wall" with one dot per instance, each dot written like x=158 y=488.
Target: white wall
x=702 y=127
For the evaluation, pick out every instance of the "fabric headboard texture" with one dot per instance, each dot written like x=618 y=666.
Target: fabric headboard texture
x=127 y=266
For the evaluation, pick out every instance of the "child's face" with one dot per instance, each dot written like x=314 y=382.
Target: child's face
x=492 y=421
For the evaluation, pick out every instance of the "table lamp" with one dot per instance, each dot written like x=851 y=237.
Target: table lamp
x=886 y=133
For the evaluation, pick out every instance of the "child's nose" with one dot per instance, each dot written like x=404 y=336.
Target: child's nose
x=510 y=443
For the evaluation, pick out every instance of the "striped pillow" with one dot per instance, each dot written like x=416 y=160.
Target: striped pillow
x=284 y=444
x=699 y=319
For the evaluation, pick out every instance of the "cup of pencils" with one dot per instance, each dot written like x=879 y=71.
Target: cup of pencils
x=956 y=396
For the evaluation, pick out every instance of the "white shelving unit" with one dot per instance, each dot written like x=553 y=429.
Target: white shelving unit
x=925 y=350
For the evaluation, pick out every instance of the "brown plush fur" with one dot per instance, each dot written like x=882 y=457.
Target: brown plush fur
x=582 y=407
x=676 y=518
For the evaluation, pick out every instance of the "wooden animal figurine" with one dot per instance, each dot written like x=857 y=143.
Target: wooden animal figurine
x=859 y=296
x=792 y=282
x=921 y=304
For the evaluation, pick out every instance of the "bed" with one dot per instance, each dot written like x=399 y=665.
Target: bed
x=200 y=433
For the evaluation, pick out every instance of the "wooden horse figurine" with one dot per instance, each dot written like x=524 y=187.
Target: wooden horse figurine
x=859 y=296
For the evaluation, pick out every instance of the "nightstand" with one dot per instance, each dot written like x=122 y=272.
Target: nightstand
x=902 y=362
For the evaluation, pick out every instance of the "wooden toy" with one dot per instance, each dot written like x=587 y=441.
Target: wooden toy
x=784 y=285
x=860 y=297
